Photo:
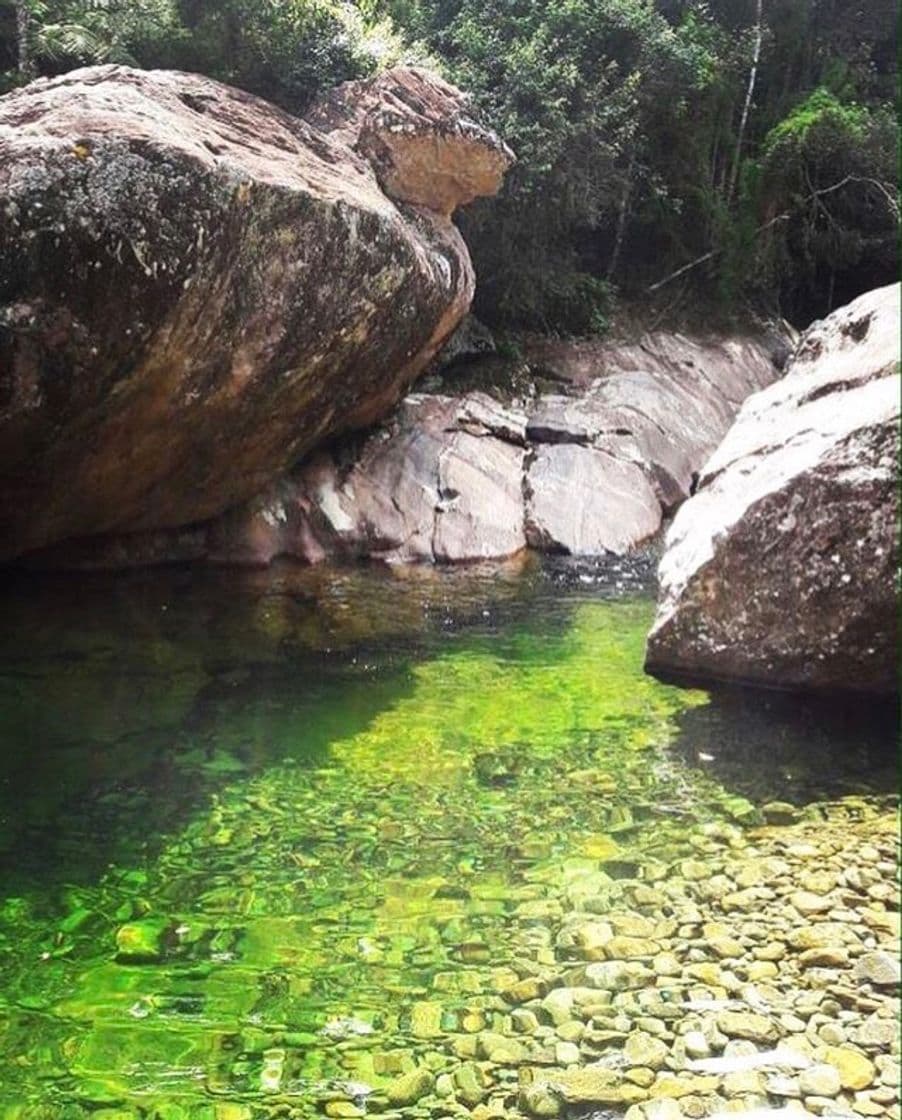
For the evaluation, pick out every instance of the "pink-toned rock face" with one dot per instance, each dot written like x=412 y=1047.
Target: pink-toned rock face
x=458 y=478
x=782 y=569
x=416 y=131
x=196 y=289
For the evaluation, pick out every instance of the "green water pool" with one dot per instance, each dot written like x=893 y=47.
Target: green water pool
x=252 y=825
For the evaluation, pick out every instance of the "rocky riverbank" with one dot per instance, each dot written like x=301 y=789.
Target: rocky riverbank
x=758 y=970
x=196 y=288
x=574 y=447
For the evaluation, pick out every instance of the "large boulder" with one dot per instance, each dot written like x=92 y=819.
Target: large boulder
x=196 y=289
x=781 y=570
x=591 y=467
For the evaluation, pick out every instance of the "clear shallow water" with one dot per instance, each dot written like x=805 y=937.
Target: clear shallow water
x=249 y=823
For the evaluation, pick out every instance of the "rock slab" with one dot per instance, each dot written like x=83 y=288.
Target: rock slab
x=587 y=469
x=781 y=570
x=196 y=288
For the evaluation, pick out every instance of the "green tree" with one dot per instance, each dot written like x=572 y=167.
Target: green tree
x=580 y=89
x=830 y=169
x=284 y=50
x=709 y=150
x=67 y=33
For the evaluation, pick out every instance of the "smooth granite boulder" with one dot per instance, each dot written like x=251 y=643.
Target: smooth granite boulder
x=782 y=569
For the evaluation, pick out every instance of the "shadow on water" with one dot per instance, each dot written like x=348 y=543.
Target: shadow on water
x=127 y=699
x=773 y=746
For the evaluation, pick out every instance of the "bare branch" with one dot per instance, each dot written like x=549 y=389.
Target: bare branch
x=889 y=198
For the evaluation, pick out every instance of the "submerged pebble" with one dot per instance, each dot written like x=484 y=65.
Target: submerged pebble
x=710 y=1031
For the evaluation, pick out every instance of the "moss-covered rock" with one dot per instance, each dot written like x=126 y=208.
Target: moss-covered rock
x=409 y=1087
x=141 y=942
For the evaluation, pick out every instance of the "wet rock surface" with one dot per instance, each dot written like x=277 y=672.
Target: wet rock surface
x=586 y=501
x=156 y=372
x=588 y=468
x=781 y=570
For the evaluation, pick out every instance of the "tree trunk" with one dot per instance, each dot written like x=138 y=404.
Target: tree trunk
x=621 y=216
x=23 y=27
x=749 y=94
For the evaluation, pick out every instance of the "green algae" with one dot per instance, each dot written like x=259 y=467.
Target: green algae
x=336 y=886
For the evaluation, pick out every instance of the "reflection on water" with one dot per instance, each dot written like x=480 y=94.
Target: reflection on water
x=252 y=826
x=115 y=693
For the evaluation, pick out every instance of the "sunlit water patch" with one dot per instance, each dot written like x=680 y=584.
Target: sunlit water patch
x=262 y=835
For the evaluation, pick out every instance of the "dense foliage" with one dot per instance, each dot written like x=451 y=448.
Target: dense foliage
x=755 y=138
x=285 y=50
x=703 y=151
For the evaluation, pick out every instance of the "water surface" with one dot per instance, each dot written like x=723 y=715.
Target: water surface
x=250 y=824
